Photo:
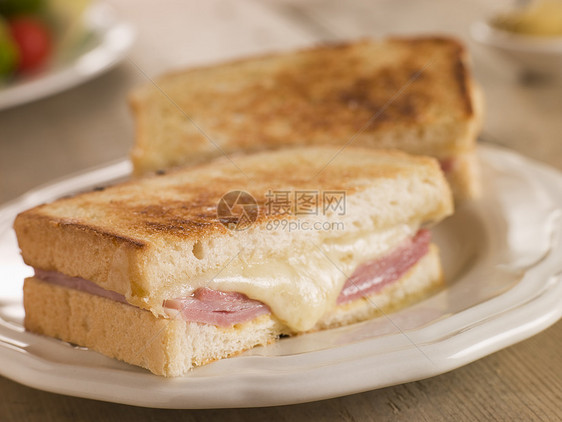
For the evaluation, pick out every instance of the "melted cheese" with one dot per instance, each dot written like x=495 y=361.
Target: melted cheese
x=300 y=288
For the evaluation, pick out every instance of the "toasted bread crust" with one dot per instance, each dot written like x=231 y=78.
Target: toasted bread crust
x=171 y=347
x=414 y=94
x=464 y=176
x=140 y=238
x=458 y=61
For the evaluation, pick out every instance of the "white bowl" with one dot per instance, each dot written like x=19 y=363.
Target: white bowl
x=537 y=54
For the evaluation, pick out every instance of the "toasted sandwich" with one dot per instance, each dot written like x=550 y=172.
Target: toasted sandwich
x=177 y=270
x=412 y=94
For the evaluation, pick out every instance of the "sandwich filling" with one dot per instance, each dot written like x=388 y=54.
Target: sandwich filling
x=300 y=284
x=226 y=308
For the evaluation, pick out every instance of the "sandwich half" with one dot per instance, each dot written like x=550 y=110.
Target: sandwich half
x=413 y=94
x=178 y=270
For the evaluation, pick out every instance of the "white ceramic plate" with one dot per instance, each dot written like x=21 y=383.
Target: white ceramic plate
x=109 y=39
x=502 y=257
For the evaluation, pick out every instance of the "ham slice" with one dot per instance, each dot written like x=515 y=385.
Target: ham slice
x=78 y=283
x=373 y=276
x=217 y=308
x=448 y=164
x=225 y=309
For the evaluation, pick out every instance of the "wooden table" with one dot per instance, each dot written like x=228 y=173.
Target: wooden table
x=90 y=125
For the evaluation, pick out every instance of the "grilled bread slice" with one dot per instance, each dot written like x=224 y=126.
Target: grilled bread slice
x=172 y=346
x=414 y=94
x=134 y=247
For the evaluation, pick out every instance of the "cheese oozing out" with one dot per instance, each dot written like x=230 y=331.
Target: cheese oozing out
x=301 y=286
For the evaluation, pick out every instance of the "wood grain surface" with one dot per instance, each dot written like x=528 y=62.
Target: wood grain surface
x=90 y=125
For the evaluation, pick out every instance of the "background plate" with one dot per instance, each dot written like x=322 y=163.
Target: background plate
x=502 y=257
x=109 y=39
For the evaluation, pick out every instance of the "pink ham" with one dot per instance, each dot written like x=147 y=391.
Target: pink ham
x=217 y=308
x=372 y=276
x=225 y=309
x=448 y=164
x=78 y=283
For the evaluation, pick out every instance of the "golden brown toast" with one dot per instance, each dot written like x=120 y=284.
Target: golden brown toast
x=413 y=94
x=144 y=239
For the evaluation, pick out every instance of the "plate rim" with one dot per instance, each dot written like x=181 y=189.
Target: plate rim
x=540 y=311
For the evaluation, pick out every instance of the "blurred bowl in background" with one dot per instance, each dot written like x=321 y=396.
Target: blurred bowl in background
x=533 y=53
